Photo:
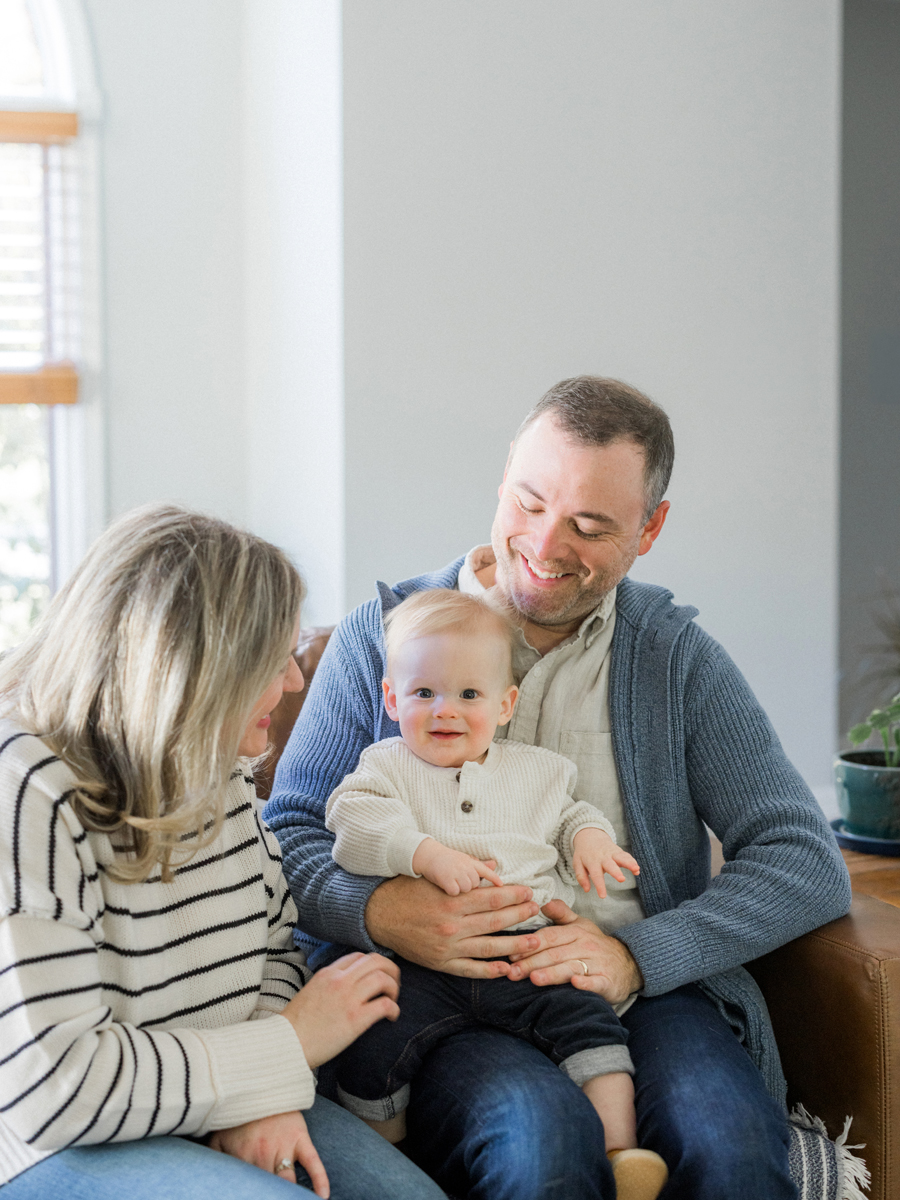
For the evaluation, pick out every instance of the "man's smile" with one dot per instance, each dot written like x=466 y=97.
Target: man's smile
x=539 y=575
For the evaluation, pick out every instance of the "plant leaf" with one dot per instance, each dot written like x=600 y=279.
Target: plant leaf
x=878 y=718
x=860 y=733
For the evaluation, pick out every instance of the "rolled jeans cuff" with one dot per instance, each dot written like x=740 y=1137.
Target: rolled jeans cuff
x=599 y=1060
x=385 y=1107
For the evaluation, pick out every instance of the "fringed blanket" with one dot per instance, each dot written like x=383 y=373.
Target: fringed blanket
x=821 y=1168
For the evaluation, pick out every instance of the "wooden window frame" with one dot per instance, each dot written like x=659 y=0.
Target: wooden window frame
x=55 y=383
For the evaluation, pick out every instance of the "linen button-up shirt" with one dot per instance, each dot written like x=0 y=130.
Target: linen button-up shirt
x=563 y=705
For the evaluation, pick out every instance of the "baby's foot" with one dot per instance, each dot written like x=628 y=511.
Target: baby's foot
x=639 y=1174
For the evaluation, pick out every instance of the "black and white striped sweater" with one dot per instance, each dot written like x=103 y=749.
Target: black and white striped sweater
x=131 y=1010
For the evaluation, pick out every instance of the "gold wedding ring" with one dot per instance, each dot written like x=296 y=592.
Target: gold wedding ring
x=584 y=966
x=286 y=1164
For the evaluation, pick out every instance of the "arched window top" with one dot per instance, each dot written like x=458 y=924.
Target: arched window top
x=35 y=63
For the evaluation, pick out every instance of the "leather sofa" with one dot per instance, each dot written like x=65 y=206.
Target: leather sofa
x=834 y=998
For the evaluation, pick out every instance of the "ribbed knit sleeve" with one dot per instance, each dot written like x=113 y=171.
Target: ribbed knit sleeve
x=580 y=815
x=783 y=872
x=71 y=1075
x=341 y=716
x=375 y=832
x=575 y=815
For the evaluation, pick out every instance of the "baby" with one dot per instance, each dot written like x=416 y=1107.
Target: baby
x=447 y=802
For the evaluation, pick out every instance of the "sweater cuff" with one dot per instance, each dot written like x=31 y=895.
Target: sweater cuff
x=600 y=823
x=401 y=849
x=345 y=900
x=666 y=951
x=258 y=1069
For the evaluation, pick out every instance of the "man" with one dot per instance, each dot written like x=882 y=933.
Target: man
x=667 y=738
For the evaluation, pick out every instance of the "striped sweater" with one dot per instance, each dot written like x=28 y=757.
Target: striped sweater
x=131 y=1010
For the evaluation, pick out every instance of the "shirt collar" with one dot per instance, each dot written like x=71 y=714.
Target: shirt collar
x=483 y=556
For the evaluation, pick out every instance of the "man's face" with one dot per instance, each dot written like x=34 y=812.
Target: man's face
x=570 y=523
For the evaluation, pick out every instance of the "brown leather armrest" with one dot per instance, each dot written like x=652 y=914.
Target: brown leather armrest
x=834 y=998
x=310 y=649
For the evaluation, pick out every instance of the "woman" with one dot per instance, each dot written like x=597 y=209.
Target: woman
x=154 y=1040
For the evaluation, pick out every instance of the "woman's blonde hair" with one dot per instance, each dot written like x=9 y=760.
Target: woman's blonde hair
x=443 y=610
x=145 y=671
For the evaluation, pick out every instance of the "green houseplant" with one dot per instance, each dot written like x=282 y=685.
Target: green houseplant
x=868 y=781
x=886 y=722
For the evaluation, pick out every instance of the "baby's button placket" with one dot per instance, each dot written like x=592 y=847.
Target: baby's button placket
x=466 y=804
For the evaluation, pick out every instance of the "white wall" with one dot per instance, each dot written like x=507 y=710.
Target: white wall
x=169 y=72
x=534 y=190
x=531 y=189
x=294 y=293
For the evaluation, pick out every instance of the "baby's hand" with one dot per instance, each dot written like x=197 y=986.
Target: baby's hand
x=594 y=852
x=452 y=870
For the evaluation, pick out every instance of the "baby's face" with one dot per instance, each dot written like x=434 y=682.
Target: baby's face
x=449 y=692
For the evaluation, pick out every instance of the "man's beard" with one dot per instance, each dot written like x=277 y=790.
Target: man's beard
x=572 y=603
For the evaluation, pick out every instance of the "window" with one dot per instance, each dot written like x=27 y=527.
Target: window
x=40 y=298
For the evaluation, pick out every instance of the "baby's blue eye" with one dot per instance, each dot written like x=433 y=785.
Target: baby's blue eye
x=424 y=693
x=469 y=694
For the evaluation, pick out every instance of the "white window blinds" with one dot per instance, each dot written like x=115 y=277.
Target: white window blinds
x=39 y=258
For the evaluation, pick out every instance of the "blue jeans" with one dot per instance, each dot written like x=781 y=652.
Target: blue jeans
x=360 y=1166
x=579 y=1031
x=492 y=1118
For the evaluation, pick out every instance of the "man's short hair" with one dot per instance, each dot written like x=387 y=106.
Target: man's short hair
x=596 y=411
x=444 y=610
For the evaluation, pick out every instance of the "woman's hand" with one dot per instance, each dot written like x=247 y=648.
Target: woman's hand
x=341 y=1001
x=272 y=1141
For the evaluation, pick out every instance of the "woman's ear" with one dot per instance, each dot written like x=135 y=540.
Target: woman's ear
x=507 y=704
x=390 y=699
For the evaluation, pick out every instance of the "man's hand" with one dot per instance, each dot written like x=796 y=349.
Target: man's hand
x=271 y=1141
x=451 y=933
x=341 y=1001
x=594 y=854
x=566 y=944
x=451 y=870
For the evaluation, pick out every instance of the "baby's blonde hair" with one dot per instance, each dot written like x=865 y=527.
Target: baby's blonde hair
x=145 y=670
x=443 y=610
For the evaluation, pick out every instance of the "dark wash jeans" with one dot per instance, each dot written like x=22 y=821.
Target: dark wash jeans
x=577 y=1030
x=492 y=1118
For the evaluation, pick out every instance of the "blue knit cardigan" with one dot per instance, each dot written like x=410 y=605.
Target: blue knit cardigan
x=691 y=744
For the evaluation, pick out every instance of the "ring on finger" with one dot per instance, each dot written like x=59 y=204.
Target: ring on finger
x=584 y=966
x=286 y=1164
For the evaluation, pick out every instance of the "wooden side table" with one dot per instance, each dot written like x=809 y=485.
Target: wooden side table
x=873 y=875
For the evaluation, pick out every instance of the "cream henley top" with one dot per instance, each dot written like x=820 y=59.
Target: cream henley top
x=563 y=705
x=515 y=807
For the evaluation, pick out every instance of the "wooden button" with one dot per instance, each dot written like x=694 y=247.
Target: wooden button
x=467 y=806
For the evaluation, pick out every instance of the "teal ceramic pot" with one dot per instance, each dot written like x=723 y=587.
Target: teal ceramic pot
x=868 y=794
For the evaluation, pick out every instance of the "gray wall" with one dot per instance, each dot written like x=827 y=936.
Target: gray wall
x=870 y=382
x=534 y=190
